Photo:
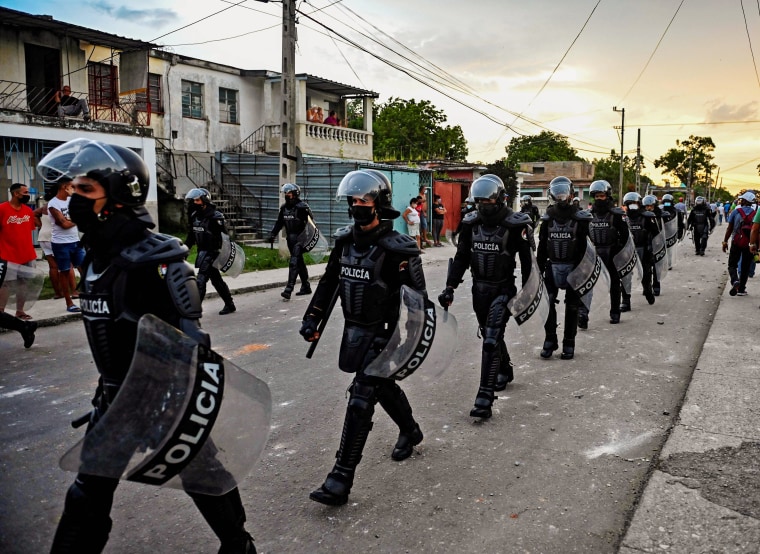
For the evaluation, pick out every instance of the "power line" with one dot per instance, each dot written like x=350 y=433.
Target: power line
x=749 y=40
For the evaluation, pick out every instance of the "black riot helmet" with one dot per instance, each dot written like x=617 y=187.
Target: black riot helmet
x=699 y=201
x=667 y=199
x=561 y=189
x=488 y=187
x=632 y=200
x=600 y=186
x=203 y=194
x=369 y=184
x=291 y=188
x=649 y=200
x=526 y=200
x=122 y=173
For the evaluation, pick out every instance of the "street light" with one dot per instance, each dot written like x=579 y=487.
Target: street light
x=622 y=132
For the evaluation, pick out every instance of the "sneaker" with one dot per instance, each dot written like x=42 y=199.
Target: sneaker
x=741 y=293
x=734 y=289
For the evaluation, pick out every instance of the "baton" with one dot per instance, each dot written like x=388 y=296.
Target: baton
x=323 y=323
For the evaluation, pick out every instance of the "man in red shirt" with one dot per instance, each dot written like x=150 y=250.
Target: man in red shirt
x=17 y=223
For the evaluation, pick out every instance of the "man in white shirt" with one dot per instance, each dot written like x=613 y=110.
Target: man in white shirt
x=67 y=250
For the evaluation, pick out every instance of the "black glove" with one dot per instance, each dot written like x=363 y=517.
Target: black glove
x=446 y=298
x=272 y=238
x=309 y=329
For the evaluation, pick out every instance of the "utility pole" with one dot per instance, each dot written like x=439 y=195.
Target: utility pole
x=288 y=121
x=691 y=178
x=638 y=162
x=622 y=133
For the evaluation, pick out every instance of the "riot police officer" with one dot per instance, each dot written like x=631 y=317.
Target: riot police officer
x=527 y=207
x=561 y=247
x=643 y=226
x=609 y=233
x=206 y=228
x=661 y=217
x=701 y=221
x=491 y=237
x=294 y=214
x=128 y=272
x=367 y=267
x=668 y=205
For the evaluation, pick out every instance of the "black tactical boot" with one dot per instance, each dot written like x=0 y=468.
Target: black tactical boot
x=287 y=291
x=625 y=304
x=568 y=349
x=583 y=321
x=483 y=403
x=334 y=491
x=649 y=294
x=228 y=309
x=550 y=345
x=406 y=443
x=305 y=289
x=615 y=317
x=506 y=370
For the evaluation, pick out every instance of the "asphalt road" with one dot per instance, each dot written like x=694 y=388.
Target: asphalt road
x=557 y=469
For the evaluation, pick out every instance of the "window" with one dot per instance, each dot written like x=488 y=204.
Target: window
x=154 y=94
x=538 y=170
x=192 y=99
x=228 y=105
x=103 y=85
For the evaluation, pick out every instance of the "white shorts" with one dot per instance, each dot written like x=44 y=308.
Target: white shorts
x=47 y=249
x=413 y=229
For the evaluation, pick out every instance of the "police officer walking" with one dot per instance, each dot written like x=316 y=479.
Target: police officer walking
x=661 y=217
x=490 y=239
x=701 y=221
x=643 y=226
x=527 y=207
x=609 y=233
x=561 y=247
x=294 y=214
x=367 y=267
x=206 y=228
x=128 y=272
x=669 y=206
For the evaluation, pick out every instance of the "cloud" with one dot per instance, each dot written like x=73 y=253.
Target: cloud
x=156 y=17
x=718 y=111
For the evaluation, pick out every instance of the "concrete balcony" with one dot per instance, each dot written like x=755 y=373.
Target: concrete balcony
x=328 y=141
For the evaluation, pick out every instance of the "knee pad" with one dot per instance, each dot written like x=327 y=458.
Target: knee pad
x=362 y=399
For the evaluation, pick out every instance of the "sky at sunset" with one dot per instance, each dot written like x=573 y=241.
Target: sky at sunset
x=499 y=68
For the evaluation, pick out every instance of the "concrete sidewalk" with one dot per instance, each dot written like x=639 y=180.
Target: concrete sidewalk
x=704 y=493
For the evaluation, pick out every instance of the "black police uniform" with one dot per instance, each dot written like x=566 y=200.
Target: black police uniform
x=662 y=217
x=129 y=272
x=702 y=221
x=561 y=246
x=609 y=233
x=678 y=214
x=532 y=212
x=293 y=216
x=26 y=328
x=488 y=246
x=367 y=268
x=643 y=226
x=206 y=228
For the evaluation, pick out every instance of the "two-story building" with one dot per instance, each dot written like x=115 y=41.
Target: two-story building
x=536 y=177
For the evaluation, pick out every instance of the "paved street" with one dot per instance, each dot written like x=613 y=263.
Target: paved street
x=559 y=467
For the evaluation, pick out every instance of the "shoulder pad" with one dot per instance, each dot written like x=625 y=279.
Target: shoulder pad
x=545 y=217
x=399 y=243
x=155 y=248
x=583 y=215
x=343 y=232
x=517 y=219
x=302 y=204
x=218 y=215
x=617 y=211
x=471 y=217
x=648 y=214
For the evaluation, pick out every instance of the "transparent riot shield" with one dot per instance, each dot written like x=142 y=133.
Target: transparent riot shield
x=20 y=284
x=424 y=340
x=660 y=253
x=627 y=263
x=589 y=274
x=671 y=241
x=530 y=306
x=231 y=258
x=184 y=418
x=314 y=243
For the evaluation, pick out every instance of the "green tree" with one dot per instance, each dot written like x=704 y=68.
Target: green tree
x=507 y=174
x=694 y=155
x=543 y=147
x=355 y=114
x=410 y=130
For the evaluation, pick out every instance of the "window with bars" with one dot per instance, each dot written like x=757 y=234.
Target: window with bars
x=228 y=105
x=153 y=94
x=103 y=84
x=192 y=99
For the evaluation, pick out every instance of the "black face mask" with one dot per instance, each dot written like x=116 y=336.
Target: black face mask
x=25 y=199
x=363 y=215
x=601 y=205
x=488 y=210
x=81 y=212
x=291 y=200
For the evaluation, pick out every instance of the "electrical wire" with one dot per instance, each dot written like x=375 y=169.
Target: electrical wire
x=749 y=41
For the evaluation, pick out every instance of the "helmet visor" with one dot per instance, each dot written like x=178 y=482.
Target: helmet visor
x=78 y=158
x=359 y=183
x=560 y=191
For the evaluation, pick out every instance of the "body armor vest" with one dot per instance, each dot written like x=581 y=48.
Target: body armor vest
x=293 y=224
x=562 y=240
x=602 y=231
x=204 y=237
x=638 y=230
x=364 y=295
x=700 y=218
x=489 y=254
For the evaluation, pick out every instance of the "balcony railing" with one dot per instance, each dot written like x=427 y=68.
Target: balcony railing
x=131 y=109
x=339 y=134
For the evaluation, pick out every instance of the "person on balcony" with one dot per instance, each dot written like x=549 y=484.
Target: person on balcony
x=331 y=119
x=69 y=105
